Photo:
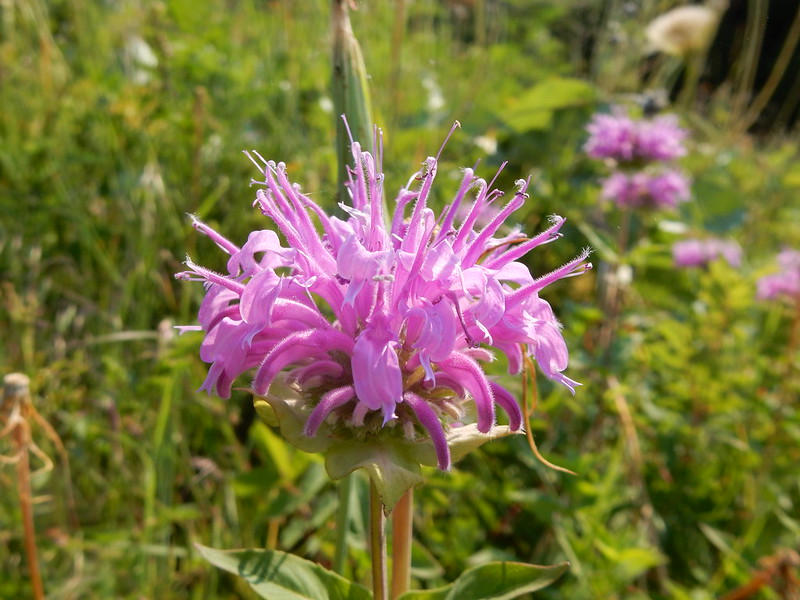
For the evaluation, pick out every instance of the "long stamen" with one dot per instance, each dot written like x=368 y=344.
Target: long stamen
x=447 y=222
x=576 y=266
x=221 y=241
x=198 y=273
x=456 y=125
x=477 y=246
x=548 y=235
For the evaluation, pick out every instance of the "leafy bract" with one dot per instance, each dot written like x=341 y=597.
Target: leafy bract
x=393 y=463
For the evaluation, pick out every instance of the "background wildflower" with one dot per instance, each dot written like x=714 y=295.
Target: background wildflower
x=669 y=188
x=663 y=190
x=683 y=29
x=640 y=154
x=660 y=139
x=784 y=283
x=611 y=136
x=618 y=136
x=697 y=253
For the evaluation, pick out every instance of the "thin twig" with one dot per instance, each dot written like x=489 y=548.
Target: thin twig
x=530 y=370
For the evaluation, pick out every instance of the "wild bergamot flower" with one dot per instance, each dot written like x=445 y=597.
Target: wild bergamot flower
x=786 y=282
x=379 y=326
x=618 y=136
x=639 y=152
x=665 y=189
x=698 y=253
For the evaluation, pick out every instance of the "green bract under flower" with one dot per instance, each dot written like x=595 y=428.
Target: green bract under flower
x=392 y=461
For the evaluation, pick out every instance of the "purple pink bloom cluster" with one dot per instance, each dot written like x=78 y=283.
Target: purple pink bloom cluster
x=698 y=253
x=664 y=190
x=640 y=153
x=786 y=282
x=379 y=321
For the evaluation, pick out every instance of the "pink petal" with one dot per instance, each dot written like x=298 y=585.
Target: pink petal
x=376 y=369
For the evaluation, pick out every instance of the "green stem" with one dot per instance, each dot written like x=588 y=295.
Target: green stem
x=350 y=92
x=402 y=527
x=377 y=538
x=781 y=63
x=757 y=14
x=398 y=31
x=791 y=347
x=691 y=76
x=612 y=294
x=345 y=490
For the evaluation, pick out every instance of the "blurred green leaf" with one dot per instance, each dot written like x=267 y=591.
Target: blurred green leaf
x=533 y=108
x=254 y=482
x=423 y=564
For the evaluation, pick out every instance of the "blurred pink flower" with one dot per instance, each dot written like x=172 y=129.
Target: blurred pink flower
x=611 y=136
x=785 y=283
x=619 y=137
x=660 y=138
x=382 y=324
x=697 y=253
x=669 y=188
x=666 y=189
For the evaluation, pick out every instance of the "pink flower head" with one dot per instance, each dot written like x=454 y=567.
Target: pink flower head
x=698 y=253
x=666 y=189
x=669 y=188
x=660 y=139
x=617 y=136
x=611 y=136
x=379 y=321
x=786 y=282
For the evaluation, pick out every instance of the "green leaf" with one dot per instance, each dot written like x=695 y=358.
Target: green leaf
x=253 y=483
x=288 y=499
x=424 y=565
x=633 y=562
x=534 y=108
x=604 y=245
x=494 y=581
x=277 y=575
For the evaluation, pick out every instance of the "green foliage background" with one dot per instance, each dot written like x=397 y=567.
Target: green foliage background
x=685 y=436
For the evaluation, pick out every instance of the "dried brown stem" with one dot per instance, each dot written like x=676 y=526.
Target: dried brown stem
x=637 y=470
x=530 y=370
x=16 y=393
